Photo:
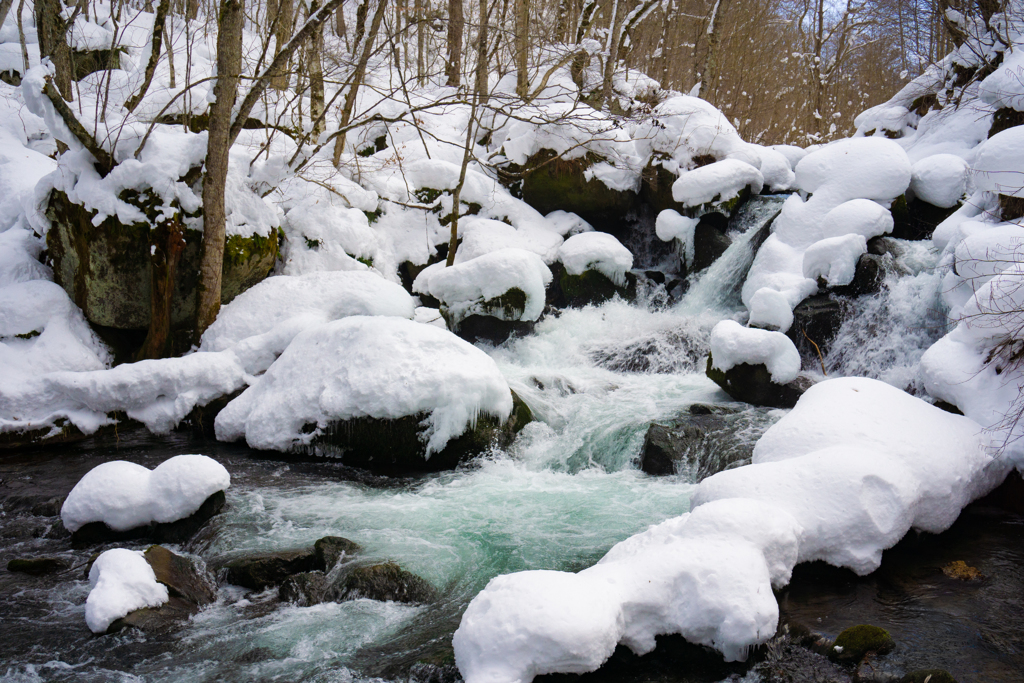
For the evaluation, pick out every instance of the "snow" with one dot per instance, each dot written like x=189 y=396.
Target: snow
x=671 y=225
x=482 y=235
x=733 y=344
x=776 y=168
x=596 y=251
x=327 y=295
x=769 y=309
x=849 y=471
x=1003 y=88
x=378 y=367
x=834 y=259
x=122 y=582
x=717 y=182
x=464 y=287
x=999 y=164
x=857 y=217
x=855 y=168
x=683 y=127
x=940 y=180
x=566 y=223
x=125 y=496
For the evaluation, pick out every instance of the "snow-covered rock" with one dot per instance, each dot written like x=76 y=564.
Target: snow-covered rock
x=122 y=582
x=733 y=344
x=940 y=179
x=834 y=259
x=718 y=182
x=372 y=367
x=596 y=251
x=999 y=164
x=126 y=496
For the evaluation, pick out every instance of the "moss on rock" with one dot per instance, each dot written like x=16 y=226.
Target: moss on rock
x=590 y=287
x=562 y=184
x=856 y=641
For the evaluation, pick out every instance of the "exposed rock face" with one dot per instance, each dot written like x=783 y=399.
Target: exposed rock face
x=305 y=589
x=95 y=533
x=709 y=241
x=394 y=447
x=189 y=586
x=562 y=184
x=916 y=220
x=386 y=581
x=753 y=384
x=258 y=572
x=589 y=287
x=499 y=319
x=107 y=271
x=816 y=319
x=329 y=550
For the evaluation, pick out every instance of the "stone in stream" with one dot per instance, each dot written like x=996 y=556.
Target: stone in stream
x=589 y=287
x=385 y=581
x=258 y=572
x=928 y=676
x=180 y=531
x=38 y=566
x=329 y=550
x=856 y=641
x=305 y=589
x=189 y=588
x=816 y=321
x=753 y=384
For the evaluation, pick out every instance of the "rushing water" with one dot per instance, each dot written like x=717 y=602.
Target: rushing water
x=558 y=499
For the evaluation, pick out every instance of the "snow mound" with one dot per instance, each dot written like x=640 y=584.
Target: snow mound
x=330 y=295
x=376 y=367
x=464 y=288
x=122 y=582
x=482 y=236
x=940 y=179
x=717 y=182
x=596 y=251
x=124 y=495
x=855 y=168
x=671 y=225
x=999 y=164
x=769 y=309
x=853 y=467
x=834 y=259
x=733 y=344
x=857 y=217
x=683 y=127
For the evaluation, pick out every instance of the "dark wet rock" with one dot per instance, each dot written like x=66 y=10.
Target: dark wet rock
x=1008 y=496
x=562 y=184
x=257 y=572
x=385 y=581
x=329 y=550
x=589 y=287
x=60 y=433
x=90 y=61
x=928 y=676
x=853 y=643
x=38 y=566
x=867 y=277
x=655 y=276
x=709 y=241
x=916 y=220
x=706 y=440
x=106 y=269
x=189 y=588
x=24 y=528
x=487 y=328
x=183 y=576
x=816 y=321
x=792 y=659
x=180 y=531
x=427 y=672
x=395 y=447
x=304 y=589
x=670 y=351
x=753 y=384
x=883 y=245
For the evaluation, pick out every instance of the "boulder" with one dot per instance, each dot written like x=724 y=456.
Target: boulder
x=257 y=572
x=498 y=320
x=816 y=319
x=928 y=676
x=330 y=550
x=916 y=219
x=304 y=589
x=189 y=588
x=709 y=241
x=394 y=446
x=701 y=442
x=107 y=271
x=555 y=184
x=856 y=641
x=589 y=287
x=180 y=531
x=753 y=384
x=385 y=581
x=38 y=566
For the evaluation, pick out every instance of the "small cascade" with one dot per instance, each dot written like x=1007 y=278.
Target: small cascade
x=884 y=335
x=718 y=287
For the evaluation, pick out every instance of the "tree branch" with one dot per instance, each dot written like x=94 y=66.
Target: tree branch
x=104 y=161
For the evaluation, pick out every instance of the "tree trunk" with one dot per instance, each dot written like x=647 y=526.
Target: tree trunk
x=522 y=48
x=154 y=54
x=481 y=53
x=229 y=66
x=21 y=37
x=456 y=25
x=421 y=42
x=612 y=48
x=52 y=33
x=315 y=71
x=167 y=243
x=357 y=78
x=283 y=31
x=5 y=7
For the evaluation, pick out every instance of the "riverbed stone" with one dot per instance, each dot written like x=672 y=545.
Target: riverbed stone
x=589 y=287
x=329 y=550
x=816 y=321
x=180 y=531
x=928 y=676
x=385 y=581
x=853 y=643
x=499 y=318
x=709 y=241
x=753 y=384
x=189 y=586
x=916 y=219
x=394 y=447
x=304 y=589
x=38 y=566
x=257 y=572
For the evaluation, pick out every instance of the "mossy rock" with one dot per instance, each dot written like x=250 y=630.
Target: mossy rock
x=928 y=676
x=107 y=272
x=398 y=446
x=589 y=287
x=562 y=184
x=917 y=219
x=385 y=582
x=856 y=641
x=86 y=62
x=189 y=588
x=1005 y=118
x=304 y=589
x=499 y=318
x=753 y=384
x=62 y=431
